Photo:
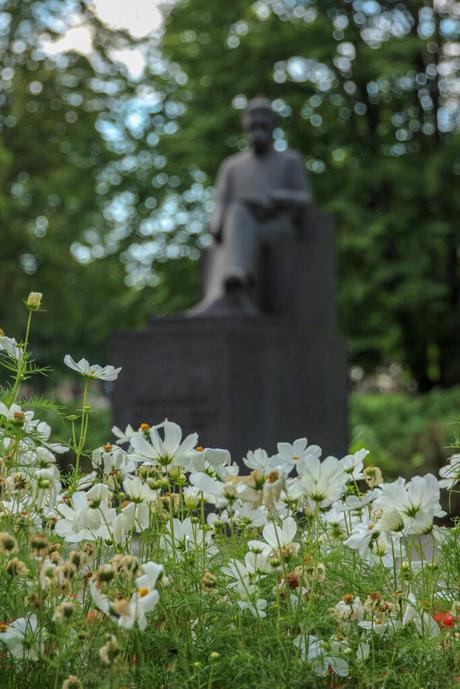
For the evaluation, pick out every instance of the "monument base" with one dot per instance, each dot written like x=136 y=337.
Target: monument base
x=239 y=382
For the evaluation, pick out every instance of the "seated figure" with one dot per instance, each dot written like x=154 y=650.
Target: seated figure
x=261 y=195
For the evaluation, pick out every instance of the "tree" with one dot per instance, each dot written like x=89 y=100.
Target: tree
x=367 y=91
x=65 y=184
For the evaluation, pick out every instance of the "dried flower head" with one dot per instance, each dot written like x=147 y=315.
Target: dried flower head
x=38 y=542
x=64 y=611
x=208 y=582
x=110 y=650
x=16 y=568
x=373 y=476
x=126 y=564
x=105 y=573
x=72 y=682
x=8 y=544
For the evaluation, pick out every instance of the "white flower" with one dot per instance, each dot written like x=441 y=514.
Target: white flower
x=277 y=539
x=258 y=459
x=450 y=474
x=352 y=610
x=9 y=345
x=362 y=535
x=323 y=482
x=123 y=436
x=248 y=516
x=380 y=627
x=423 y=622
x=391 y=520
x=183 y=537
x=87 y=519
x=112 y=459
x=209 y=457
x=142 y=601
x=212 y=489
x=353 y=465
x=138 y=491
x=417 y=501
x=170 y=450
x=289 y=455
x=16 y=415
x=323 y=657
x=92 y=370
x=45 y=488
x=20 y=637
x=240 y=574
x=353 y=502
x=257 y=607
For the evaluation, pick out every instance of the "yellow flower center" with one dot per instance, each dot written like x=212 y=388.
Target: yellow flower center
x=143 y=591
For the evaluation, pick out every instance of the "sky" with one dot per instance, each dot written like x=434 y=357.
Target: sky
x=139 y=17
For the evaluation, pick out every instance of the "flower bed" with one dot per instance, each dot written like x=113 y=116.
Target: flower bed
x=168 y=565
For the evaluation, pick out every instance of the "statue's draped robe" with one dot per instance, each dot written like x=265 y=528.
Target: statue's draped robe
x=243 y=177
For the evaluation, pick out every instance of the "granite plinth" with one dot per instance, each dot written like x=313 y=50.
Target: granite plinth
x=239 y=382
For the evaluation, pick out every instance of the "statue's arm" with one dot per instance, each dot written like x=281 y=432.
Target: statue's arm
x=298 y=190
x=221 y=201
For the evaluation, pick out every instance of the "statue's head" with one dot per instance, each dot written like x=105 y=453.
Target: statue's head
x=259 y=121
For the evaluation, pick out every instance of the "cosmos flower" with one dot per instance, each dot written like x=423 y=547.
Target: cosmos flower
x=93 y=371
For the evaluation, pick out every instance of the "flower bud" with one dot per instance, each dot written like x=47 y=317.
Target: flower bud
x=34 y=300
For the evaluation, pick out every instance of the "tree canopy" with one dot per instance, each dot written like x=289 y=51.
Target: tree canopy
x=107 y=179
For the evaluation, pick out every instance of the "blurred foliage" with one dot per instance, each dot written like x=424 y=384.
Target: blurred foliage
x=106 y=178
x=59 y=181
x=405 y=434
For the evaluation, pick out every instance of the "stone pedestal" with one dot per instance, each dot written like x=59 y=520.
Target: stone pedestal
x=239 y=383
x=243 y=382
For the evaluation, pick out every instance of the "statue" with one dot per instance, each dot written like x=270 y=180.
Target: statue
x=261 y=195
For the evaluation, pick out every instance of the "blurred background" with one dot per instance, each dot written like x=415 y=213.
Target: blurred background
x=114 y=116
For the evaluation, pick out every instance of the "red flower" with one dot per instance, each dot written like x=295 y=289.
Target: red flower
x=445 y=618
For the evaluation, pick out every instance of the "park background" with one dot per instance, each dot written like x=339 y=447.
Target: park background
x=114 y=117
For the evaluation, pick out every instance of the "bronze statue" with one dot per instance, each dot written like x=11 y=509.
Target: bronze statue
x=261 y=195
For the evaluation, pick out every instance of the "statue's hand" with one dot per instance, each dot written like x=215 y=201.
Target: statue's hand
x=261 y=205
